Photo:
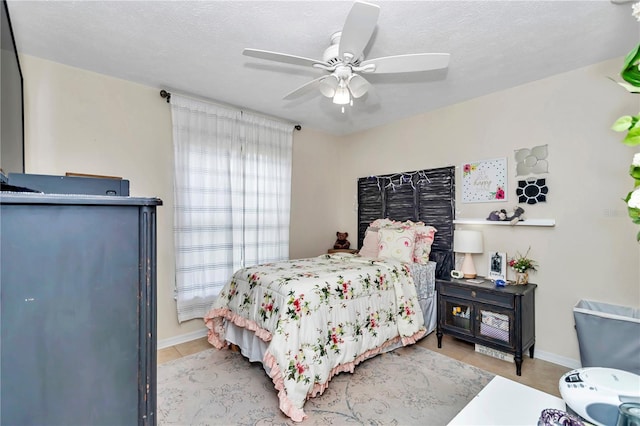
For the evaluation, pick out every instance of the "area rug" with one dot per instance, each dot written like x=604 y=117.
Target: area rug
x=408 y=386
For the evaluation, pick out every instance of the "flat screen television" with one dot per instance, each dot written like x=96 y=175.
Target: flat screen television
x=11 y=98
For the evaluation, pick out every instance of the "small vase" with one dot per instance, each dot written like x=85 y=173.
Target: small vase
x=522 y=278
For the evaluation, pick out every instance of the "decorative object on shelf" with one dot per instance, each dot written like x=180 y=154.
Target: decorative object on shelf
x=497 y=215
x=513 y=217
x=522 y=265
x=516 y=215
x=484 y=181
x=532 y=191
x=342 y=242
x=532 y=161
x=631 y=124
x=522 y=278
x=467 y=242
x=528 y=222
x=497 y=266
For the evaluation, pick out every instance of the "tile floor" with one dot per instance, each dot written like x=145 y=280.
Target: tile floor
x=541 y=375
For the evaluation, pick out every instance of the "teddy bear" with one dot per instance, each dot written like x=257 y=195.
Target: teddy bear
x=342 y=242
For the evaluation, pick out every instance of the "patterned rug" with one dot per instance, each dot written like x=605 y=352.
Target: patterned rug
x=408 y=386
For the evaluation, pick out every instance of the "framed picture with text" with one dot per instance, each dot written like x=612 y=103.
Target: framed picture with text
x=484 y=181
x=497 y=266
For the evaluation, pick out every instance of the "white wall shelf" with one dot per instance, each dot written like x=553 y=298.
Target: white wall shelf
x=527 y=222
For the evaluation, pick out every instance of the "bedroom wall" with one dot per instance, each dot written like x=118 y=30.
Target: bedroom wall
x=80 y=121
x=591 y=253
x=86 y=122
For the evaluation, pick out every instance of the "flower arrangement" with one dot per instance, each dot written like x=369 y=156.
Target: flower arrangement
x=523 y=264
x=631 y=124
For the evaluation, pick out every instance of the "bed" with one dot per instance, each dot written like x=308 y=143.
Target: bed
x=307 y=320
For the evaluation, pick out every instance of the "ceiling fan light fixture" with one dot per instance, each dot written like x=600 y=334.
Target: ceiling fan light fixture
x=344 y=59
x=342 y=96
x=328 y=86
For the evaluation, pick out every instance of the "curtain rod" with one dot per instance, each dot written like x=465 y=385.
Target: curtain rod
x=167 y=95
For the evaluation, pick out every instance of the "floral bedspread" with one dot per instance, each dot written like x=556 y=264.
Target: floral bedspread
x=321 y=316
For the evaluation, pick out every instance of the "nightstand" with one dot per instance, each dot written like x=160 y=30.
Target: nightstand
x=502 y=318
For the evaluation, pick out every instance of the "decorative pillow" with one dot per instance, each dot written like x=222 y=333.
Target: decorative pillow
x=385 y=223
x=423 y=242
x=370 y=245
x=396 y=244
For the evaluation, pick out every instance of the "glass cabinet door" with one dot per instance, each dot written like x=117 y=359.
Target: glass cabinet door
x=494 y=324
x=458 y=314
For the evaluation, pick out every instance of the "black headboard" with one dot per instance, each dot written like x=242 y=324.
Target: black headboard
x=423 y=195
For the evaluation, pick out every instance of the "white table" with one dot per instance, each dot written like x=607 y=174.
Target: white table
x=508 y=403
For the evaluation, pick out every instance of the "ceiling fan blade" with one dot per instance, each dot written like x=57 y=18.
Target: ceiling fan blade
x=358 y=85
x=358 y=29
x=281 y=57
x=305 y=88
x=408 y=63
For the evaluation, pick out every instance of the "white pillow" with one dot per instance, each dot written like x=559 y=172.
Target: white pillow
x=370 y=245
x=396 y=244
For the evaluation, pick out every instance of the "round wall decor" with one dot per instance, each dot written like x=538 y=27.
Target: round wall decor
x=532 y=191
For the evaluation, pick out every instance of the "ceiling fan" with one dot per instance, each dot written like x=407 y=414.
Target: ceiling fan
x=344 y=60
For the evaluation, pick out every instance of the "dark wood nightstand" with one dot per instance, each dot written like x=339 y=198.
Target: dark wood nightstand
x=502 y=318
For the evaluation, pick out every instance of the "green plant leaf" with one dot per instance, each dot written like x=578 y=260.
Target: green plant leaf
x=633 y=137
x=630 y=88
x=630 y=71
x=623 y=123
x=634 y=171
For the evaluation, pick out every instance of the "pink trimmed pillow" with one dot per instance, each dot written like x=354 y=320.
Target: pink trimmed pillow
x=396 y=244
x=384 y=223
x=423 y=241
x=370 y=245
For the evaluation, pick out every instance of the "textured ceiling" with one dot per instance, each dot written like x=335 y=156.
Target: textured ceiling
x=196 y=48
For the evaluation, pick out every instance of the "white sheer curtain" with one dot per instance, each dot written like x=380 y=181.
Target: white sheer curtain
x=263 y=211
x=232 y=194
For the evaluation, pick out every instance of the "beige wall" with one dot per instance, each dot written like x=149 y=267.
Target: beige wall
x=86 y=122
x=80 y=121
x=315 y=183
x=591 y=253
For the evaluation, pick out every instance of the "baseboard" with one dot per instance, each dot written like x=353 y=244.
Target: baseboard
x=557 y=359
x=183 y=338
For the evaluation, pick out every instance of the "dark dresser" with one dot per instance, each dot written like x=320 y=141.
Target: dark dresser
x=78 y=309
x=501 y=318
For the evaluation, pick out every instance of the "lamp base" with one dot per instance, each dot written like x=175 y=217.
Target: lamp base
x=468 y=268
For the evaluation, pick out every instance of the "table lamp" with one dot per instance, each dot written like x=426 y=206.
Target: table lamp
x=467 y=242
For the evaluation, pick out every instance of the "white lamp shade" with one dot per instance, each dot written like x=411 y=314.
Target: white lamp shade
x=467 y=241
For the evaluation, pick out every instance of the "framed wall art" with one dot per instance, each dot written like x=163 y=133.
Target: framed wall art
x=484 y=181
x=497 y=266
